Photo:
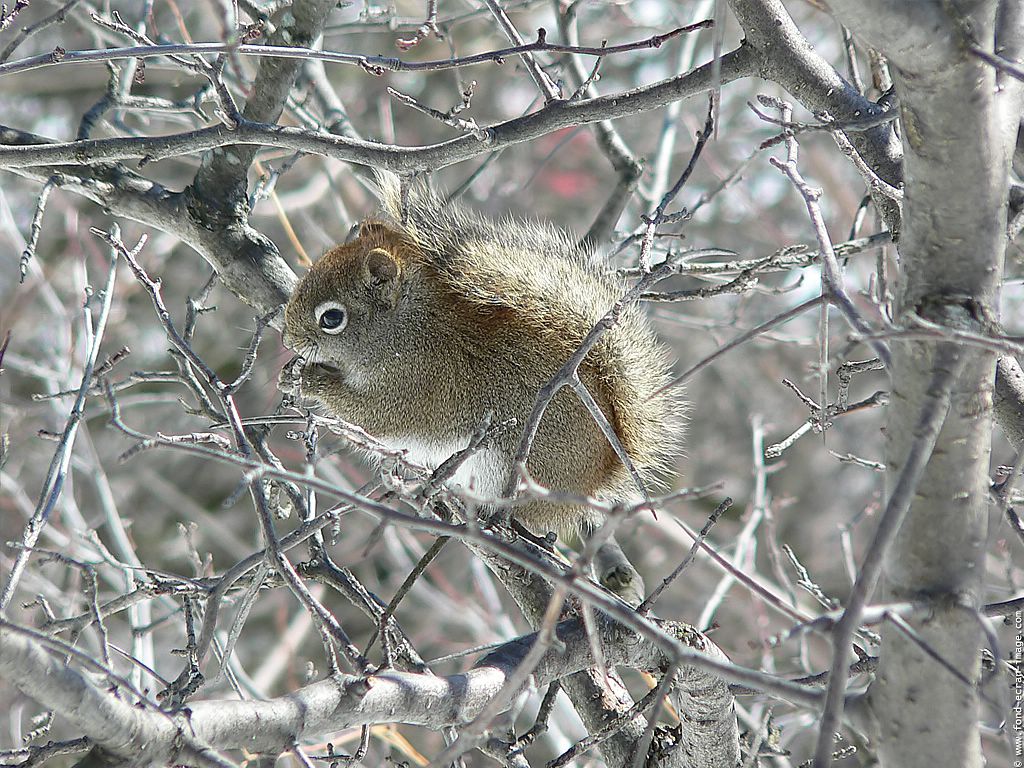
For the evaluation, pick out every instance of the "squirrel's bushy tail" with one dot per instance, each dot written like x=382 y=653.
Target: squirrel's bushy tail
x=555 y=288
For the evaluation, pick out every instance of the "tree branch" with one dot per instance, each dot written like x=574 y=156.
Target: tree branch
x=788 y=59
x=246 y=261
x=149 y=736
x=951 y=258
x=553 y=117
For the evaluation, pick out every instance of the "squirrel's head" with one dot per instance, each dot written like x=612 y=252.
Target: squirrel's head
x=344 y=305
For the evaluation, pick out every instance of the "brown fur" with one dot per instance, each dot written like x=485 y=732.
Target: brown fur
x=478 y=317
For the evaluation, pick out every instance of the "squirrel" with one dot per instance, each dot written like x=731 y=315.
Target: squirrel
x=433 y=317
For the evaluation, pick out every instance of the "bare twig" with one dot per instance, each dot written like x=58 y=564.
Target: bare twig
x=832 y=280
x=648 y=604
x=53 y=486
x=374 y=64
x=945 y=371
x=538 y=75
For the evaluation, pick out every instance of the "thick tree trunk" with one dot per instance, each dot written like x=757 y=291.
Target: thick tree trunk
x=956 y=160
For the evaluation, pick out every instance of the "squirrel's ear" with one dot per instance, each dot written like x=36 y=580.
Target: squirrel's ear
x=380 y=273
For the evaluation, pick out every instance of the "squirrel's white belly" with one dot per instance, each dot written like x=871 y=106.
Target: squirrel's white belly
x=483 y=475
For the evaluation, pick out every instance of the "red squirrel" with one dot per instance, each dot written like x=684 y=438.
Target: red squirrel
x=433 y=317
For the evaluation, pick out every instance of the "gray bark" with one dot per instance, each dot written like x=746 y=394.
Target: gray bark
x=957 y=134
x=1009 y=400
x=147 y=736
x=221 y=185
x=709 y=731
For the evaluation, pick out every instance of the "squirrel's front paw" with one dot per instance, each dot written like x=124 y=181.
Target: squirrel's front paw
x=289 y=381
x=303 y=380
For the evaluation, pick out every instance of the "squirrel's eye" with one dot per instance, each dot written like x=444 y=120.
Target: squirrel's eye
x=331 y=317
